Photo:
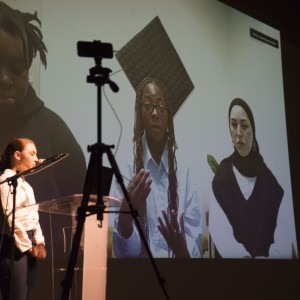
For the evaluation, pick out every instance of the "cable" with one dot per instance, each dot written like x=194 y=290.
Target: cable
x=116 y=115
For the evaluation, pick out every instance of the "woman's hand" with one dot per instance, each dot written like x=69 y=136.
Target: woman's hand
x=38 y=251
x=173 y=234
x=138 y=190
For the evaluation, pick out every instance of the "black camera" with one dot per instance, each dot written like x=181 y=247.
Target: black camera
x=94 y=49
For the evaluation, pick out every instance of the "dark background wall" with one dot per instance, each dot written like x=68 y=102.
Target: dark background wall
x=231 y=279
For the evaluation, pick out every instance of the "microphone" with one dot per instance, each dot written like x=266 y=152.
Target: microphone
x=41 y=165
x=45 y=163
x=52 y=159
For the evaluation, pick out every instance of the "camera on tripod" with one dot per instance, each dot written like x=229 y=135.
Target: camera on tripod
x=94 y=49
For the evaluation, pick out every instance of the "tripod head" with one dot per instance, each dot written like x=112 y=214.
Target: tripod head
x=98 y=50
x=99 y=76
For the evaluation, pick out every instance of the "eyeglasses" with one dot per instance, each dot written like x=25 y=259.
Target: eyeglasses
x=149 y=107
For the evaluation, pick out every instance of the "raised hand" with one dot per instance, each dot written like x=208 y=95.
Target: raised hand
x=138 y=189
x=174 y=234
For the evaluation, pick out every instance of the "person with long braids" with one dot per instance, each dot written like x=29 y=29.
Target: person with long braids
x=168 y=206
x=244 y=219
x=20 y=249
x=23 y=113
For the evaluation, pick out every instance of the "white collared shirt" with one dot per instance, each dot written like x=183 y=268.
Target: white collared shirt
x=25 y=218
x=157 y=201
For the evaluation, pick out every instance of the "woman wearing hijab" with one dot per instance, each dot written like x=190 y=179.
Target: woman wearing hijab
x=244 y=213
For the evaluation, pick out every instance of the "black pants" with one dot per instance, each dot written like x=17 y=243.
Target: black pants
x=17 y=275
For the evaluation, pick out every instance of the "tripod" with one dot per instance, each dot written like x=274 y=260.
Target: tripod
x=100 y=76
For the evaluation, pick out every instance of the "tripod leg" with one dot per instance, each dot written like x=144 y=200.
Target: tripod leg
x=81 y=216
x=118 y=175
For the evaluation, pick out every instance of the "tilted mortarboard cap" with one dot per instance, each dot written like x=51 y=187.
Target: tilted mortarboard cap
x=151 y=53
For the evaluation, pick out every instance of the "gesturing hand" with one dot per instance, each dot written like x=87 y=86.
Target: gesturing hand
x=138 y=190
x=174 y=236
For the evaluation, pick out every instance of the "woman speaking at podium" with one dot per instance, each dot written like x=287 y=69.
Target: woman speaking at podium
x=21 y=247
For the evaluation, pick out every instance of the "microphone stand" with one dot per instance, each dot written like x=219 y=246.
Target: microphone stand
x=13 y=181
x=100 y=76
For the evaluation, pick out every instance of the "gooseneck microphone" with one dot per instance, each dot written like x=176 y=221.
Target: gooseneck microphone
x=45 y=163
x=52 y=159
x=41 y=165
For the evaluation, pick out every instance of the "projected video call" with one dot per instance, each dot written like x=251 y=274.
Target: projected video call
x=194 y=107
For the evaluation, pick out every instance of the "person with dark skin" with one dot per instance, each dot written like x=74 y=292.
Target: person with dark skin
x=165 y=207
x=17 y=272
x=22 y=113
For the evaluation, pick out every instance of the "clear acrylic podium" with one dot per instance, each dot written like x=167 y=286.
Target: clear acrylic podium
x=92 y=265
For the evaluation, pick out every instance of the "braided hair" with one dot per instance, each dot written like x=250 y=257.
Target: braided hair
x=17 y=23
x=172 y=146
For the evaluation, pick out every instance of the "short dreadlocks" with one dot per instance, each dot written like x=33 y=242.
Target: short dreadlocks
x=17 y=23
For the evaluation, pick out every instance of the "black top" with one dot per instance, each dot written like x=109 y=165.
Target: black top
x=52 y=136
x=254 y=220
